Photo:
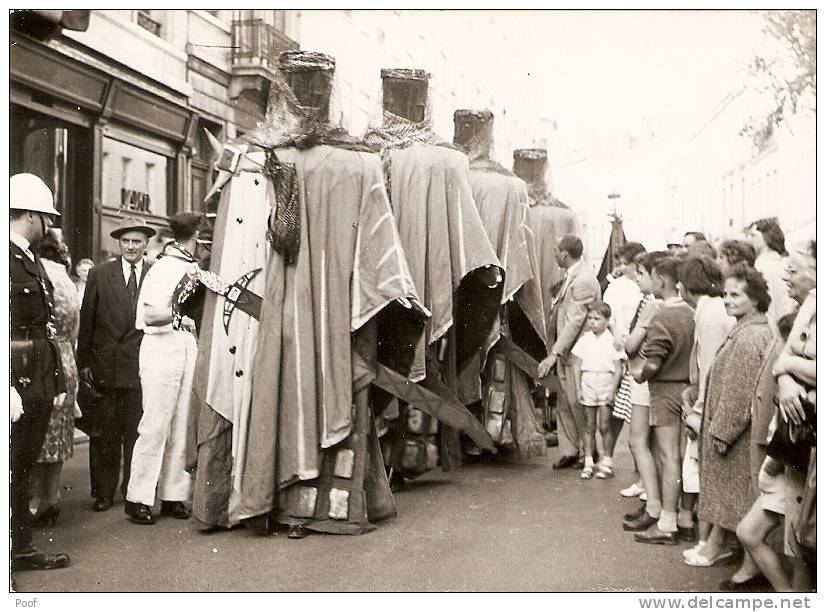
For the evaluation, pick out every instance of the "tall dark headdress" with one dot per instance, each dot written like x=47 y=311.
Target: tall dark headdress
x=531 y=165
x=406 y=116
x=473 y=134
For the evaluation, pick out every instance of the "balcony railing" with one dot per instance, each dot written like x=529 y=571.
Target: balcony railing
x=255 y=43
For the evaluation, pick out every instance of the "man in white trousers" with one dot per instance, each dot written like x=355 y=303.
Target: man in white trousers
x=167 y=363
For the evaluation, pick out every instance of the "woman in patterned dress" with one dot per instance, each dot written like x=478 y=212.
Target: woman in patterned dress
x=58 y=444
x=726 y=492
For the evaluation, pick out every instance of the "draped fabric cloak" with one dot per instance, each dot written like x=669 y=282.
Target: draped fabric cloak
x=293 y=449
x=442 y=235
x=502 y=200
x=549 y=223
x=459 y=278
x=222 y=385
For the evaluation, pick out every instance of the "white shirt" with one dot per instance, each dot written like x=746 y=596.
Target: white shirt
x=623 y=296
x=127 y=269
x=711 y=327
x=158 y=288
x=772 y=266
x=22 y=243
x=597 y=352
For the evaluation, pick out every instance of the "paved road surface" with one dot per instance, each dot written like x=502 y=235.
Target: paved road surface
x=486 y=527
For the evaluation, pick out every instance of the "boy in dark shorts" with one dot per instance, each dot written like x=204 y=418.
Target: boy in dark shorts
x=667 y=348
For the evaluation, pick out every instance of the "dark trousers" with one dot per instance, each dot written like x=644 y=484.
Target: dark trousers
x=115 y=431
x=27 y=437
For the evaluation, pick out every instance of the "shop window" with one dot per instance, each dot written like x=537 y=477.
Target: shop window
x=44 y=151
x=57 y=152
x=136 y=179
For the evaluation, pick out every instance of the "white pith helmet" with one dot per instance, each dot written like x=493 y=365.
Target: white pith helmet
x=29 y=192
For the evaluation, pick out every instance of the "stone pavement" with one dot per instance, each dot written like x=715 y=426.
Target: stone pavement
x=486 y=527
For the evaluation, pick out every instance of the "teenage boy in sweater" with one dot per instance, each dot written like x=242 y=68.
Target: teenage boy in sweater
x=667 y=348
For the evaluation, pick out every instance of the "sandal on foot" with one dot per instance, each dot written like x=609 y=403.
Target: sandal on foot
x=605 y=472
x=700 y=560
x=694 y=550
x=587 y=473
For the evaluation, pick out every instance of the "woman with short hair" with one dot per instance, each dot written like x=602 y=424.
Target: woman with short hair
x=58 y=445
x=724 y=459
x=733 y=252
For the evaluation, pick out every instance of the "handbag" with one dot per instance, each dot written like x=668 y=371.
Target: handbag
x=87 y=397
x=791 y=444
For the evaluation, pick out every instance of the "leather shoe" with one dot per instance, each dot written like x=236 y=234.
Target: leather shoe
x=641 y=523
x=754 y=583
x=632 y=516
x=33 y=559
x=102 y=504
x=580 y=463
x=686 y=534
x=139 y=513
x=565 y=462
x=655 y=536
x=175 y=509
x=296 y=532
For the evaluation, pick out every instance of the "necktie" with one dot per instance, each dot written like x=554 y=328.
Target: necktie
x=132 y=287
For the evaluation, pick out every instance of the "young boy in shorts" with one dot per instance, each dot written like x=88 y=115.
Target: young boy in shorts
x=667 y=348
x=598 y=369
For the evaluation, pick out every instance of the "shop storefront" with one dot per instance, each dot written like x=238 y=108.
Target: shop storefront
x=107 y=141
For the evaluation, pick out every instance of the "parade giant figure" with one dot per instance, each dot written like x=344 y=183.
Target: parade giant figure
x=455 y=268
x=510 y=367
x=313 y=299
x=550 y=219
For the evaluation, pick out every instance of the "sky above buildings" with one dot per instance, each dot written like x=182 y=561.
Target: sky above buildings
x=617 y=67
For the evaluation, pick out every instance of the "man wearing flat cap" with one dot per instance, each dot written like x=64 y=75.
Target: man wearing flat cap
x=107 y=356
x=167 y=364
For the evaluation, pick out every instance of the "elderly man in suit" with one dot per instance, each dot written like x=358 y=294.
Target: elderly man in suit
x=107 y=355
x=579 y=288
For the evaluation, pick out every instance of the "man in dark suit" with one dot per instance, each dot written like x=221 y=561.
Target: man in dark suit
x=37 y=382
x=107 y=356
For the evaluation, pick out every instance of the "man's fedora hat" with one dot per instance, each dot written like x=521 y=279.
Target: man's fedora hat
x=132 y=224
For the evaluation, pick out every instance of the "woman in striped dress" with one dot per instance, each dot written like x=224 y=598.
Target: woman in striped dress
x=624 y=297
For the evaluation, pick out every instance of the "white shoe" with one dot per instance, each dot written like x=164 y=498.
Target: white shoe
x=690 y=553
x=634 y=490
x=643 y=496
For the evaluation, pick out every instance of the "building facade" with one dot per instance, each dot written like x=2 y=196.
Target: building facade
x=112 y=116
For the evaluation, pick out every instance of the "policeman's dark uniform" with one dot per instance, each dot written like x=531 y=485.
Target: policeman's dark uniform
x=36 y=374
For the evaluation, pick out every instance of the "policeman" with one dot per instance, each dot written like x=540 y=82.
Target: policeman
x=37 y=381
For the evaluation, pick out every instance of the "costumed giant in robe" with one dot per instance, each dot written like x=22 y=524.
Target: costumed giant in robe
x=454 y=266
x=285 y=429
x=507 y=372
